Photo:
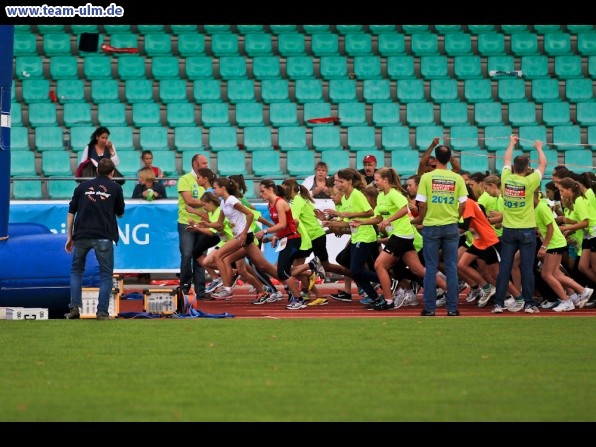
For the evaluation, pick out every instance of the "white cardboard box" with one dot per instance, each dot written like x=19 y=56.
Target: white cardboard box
x=90 y=295
x=25 y=313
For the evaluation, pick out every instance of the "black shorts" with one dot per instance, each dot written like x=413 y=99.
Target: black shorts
x=490 y=255
x=250 y=238
x=304 y=253
x=319 y=248
x=397 y=246
x=589 y=244
x=203 y=243
x=463 y=241
x=557 y=251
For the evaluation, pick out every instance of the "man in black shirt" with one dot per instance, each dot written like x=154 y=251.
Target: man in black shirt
x=370 y=167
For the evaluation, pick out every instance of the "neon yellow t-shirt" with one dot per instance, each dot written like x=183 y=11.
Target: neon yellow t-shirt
x=188 y=182
x=583 y=210
x=518 y=198
x=544 y=217
x=443 y=191
x=358 y=203
x=389 y=204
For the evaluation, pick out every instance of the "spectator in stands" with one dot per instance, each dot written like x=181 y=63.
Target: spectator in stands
x=148 y=187
x=147 y=160
x=319 y=184
x=100 y=147
x=370 y=167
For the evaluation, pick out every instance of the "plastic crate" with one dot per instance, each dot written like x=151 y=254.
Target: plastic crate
x=90 y=297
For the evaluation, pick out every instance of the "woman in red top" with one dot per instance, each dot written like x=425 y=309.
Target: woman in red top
x=286 y=236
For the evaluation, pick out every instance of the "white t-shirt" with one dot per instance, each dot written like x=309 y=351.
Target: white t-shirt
x=236 y=218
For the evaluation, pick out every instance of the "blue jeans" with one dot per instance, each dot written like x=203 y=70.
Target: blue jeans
x=445 y=238
x=512 y=240
x=104 y=253
x=190 y=271
x=360 y=253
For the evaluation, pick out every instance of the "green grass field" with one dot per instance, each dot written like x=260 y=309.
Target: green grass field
x=381 y=369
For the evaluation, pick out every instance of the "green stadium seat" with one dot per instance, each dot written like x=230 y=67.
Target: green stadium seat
x=232 y=67
x=420 y=114
x=166 y=160
x=529 y=134
x=444 y=90
x=180 y=114
x=80 y=29
x=300 y=67
x=488 y=114
x=497 y=137
x=28 y=67
x=434 y=67
x=481 y=29
x=291 y=44
x=124 y=40
x=512 y=90
x=207 y=90
x=405 y=162
x=23 y=29
x=138 y=91
x=535 y=66
x=522 y=114
x=131 y=68
x=458 y=44
x=246 y=29
x=385 y=114
x=165 y=67
x=545 y=90
x=172 y=91
x=491 y=44
x=579 y=90
x=300 y=163
x=61 y=189
x=324 y=44
x=478 y=90
x=333 y=67
x=97 y=67
x=80 y=137
x=568 y=67
x=189 y=138
x=258 y=44
x=410 y=90
x=556 y=113
x=216 y=29
x=376 y=90
x=449 y=29
x=395 y=138
x=198 y=67
x=500 y=156
x=231 y=163
x=336 y=160
x=104 y=90
x=222 y=139
x=400 y=67
x=454 y=114
x=250 y=189
x=308 y=90
x=361 y=138
x=224 y=44
x=578 y=29
x=464 y=138
x=147 y=30
x=122 y=138
x=586 y=44
x=342 y=90
x=63 y=67
x=579 y=160
x=158 y=44
x=514 y=29
x=556 y=44
x=16 y=114
x=416 y=29
x=24 y=44
x=547 y=29
x=424 y=44
x=316 y=110
x=146 y=114
x=241 y=90
x=586 y=113
x=154 y=138
x=191 y=44
x=425 y=135
x=474 y=161
x=257 y=139
x=367 y=67
x=56 y=45
x=268 y=164
x=567 y=138
x=524 y=44
x=500 y=63
x=292 y=139
x=467 y=67
x=326 y=138
x=35 y=90
x=70 y=90
x=249 y=114
x=56 y=164
x=311 y=29
x=77 y=114
x=275 y=90
x=42 y=114
x=358 y=44
x=27 y=190
x=391 y=44
x=380 y=156
x=282 y=29
x=283 y=114
x=347 y=29
x=266 y=67
x=381 y=29
x=552 y=158
x=130 y=162
x=22 y=164
x=351 y=114
x=117 y=29
x=215 y=114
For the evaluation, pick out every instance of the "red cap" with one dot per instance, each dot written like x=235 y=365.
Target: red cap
x=369 y=159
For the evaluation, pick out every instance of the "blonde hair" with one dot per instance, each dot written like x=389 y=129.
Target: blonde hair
x=146 y=174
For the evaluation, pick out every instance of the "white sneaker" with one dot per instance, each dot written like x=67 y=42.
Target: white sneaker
x=441 y=301
x=509 y=302
x=574 y=297
x=486 y=296
x=252 y=289
x=584 y=297
x=517 y=306
x=274 y=297
x=398 y=293
x=213 y=285
x=411 y=299
x=223 y=293
x=474 y=293
x=564 y=306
